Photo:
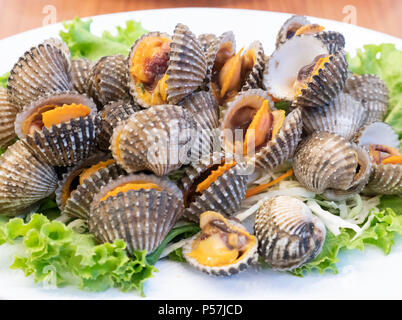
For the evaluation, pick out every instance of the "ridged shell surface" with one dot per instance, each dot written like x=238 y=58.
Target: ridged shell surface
x=24 y=179
x=326 y=85
x=289 y=28
x=372 y=92
x=289 y=235
x=326 y=163
x=206 y=40
x=41 y=70
x=187 y=67
x=81 y=69
x=249 y=259
x=343 y=116
x=224 y=195
x=112 y=115
x=334 y=41
x=142 y=218
x=79 y=203
x=8 y=113
x=108 y=80
x=385 y=179
x=254 y=79
x=149 y=137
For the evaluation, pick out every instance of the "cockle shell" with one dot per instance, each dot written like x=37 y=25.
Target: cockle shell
x=81 y=69
x=250 y=258
x=224 y=195
x=327 y=163
x=42 y=70
x=206 y=40
x=68 y=142
x=79 y=203
x=159 y=139
x=288 y=234
x=8 y=112
x=142 y=218
x=372 y=92
x=289 y=28
x=111 y=116
x=334 y=41
x=343 y=116
x=254 y=79
x=25 y=179
x=108 y=80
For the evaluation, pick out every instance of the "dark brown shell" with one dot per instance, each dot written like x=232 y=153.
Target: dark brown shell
x=81 y=69
x=334 y=41
x=8 y=113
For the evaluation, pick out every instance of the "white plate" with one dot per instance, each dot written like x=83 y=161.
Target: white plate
x=367 y=274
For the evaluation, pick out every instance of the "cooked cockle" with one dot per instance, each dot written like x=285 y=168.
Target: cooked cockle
x=139 y=209
x=328 y=164
x=158 y=139
x=372 y=92
x=288 y=234
x=61 y=127
x=164 y=69
x=222 y=248
x=234 y=72
x=42 y=70
x=383 y=144
x=217 y=185
x=25 y=179
x=81 y=70
x=251 y=126
x=111 y=116
x=344 y=116
x=8 y=112
x=303 y=71
x=289 y=28
x=76 y=176
x=108 y=80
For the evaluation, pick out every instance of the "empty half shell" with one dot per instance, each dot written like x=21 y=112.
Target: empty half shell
x=288 y=234
x=62 y=128
x=81 y=69
x=372 y=92
x=343 y=116
x=158 y=139
x=80 y=198
x=41 y=70
x=8 y=113
x=329 y=164
x=222 y=248
x=25 y=179
x=108 y=80
x=111 y=116
x=140 y=209
x=216 y=185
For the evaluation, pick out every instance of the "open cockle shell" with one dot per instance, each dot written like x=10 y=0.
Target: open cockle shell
x=384 y=178
x=288 y=234
x=328 y=164
x=25 y=179
x=81 y=70
x=79 y=203
x=224 y=195
x=142 y=218
x=226 y=227
x=111 y=116
x=108 y=80
x=289 y=28
x=372 y=92
x=343 y=116
x=68 y=142
x=70 y=179
x=284 y=64
x=8 y=113
x=254 y=79
x=41 y=70
x=158 y=139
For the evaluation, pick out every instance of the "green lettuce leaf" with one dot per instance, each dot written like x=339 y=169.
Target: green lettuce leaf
x=381 y=233
x=57 y=255
x=3 y=80
x=84 y=44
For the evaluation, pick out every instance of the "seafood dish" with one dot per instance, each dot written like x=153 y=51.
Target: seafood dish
x=262 y=155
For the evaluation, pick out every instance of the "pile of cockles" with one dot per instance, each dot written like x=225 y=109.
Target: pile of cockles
x=100 y=134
